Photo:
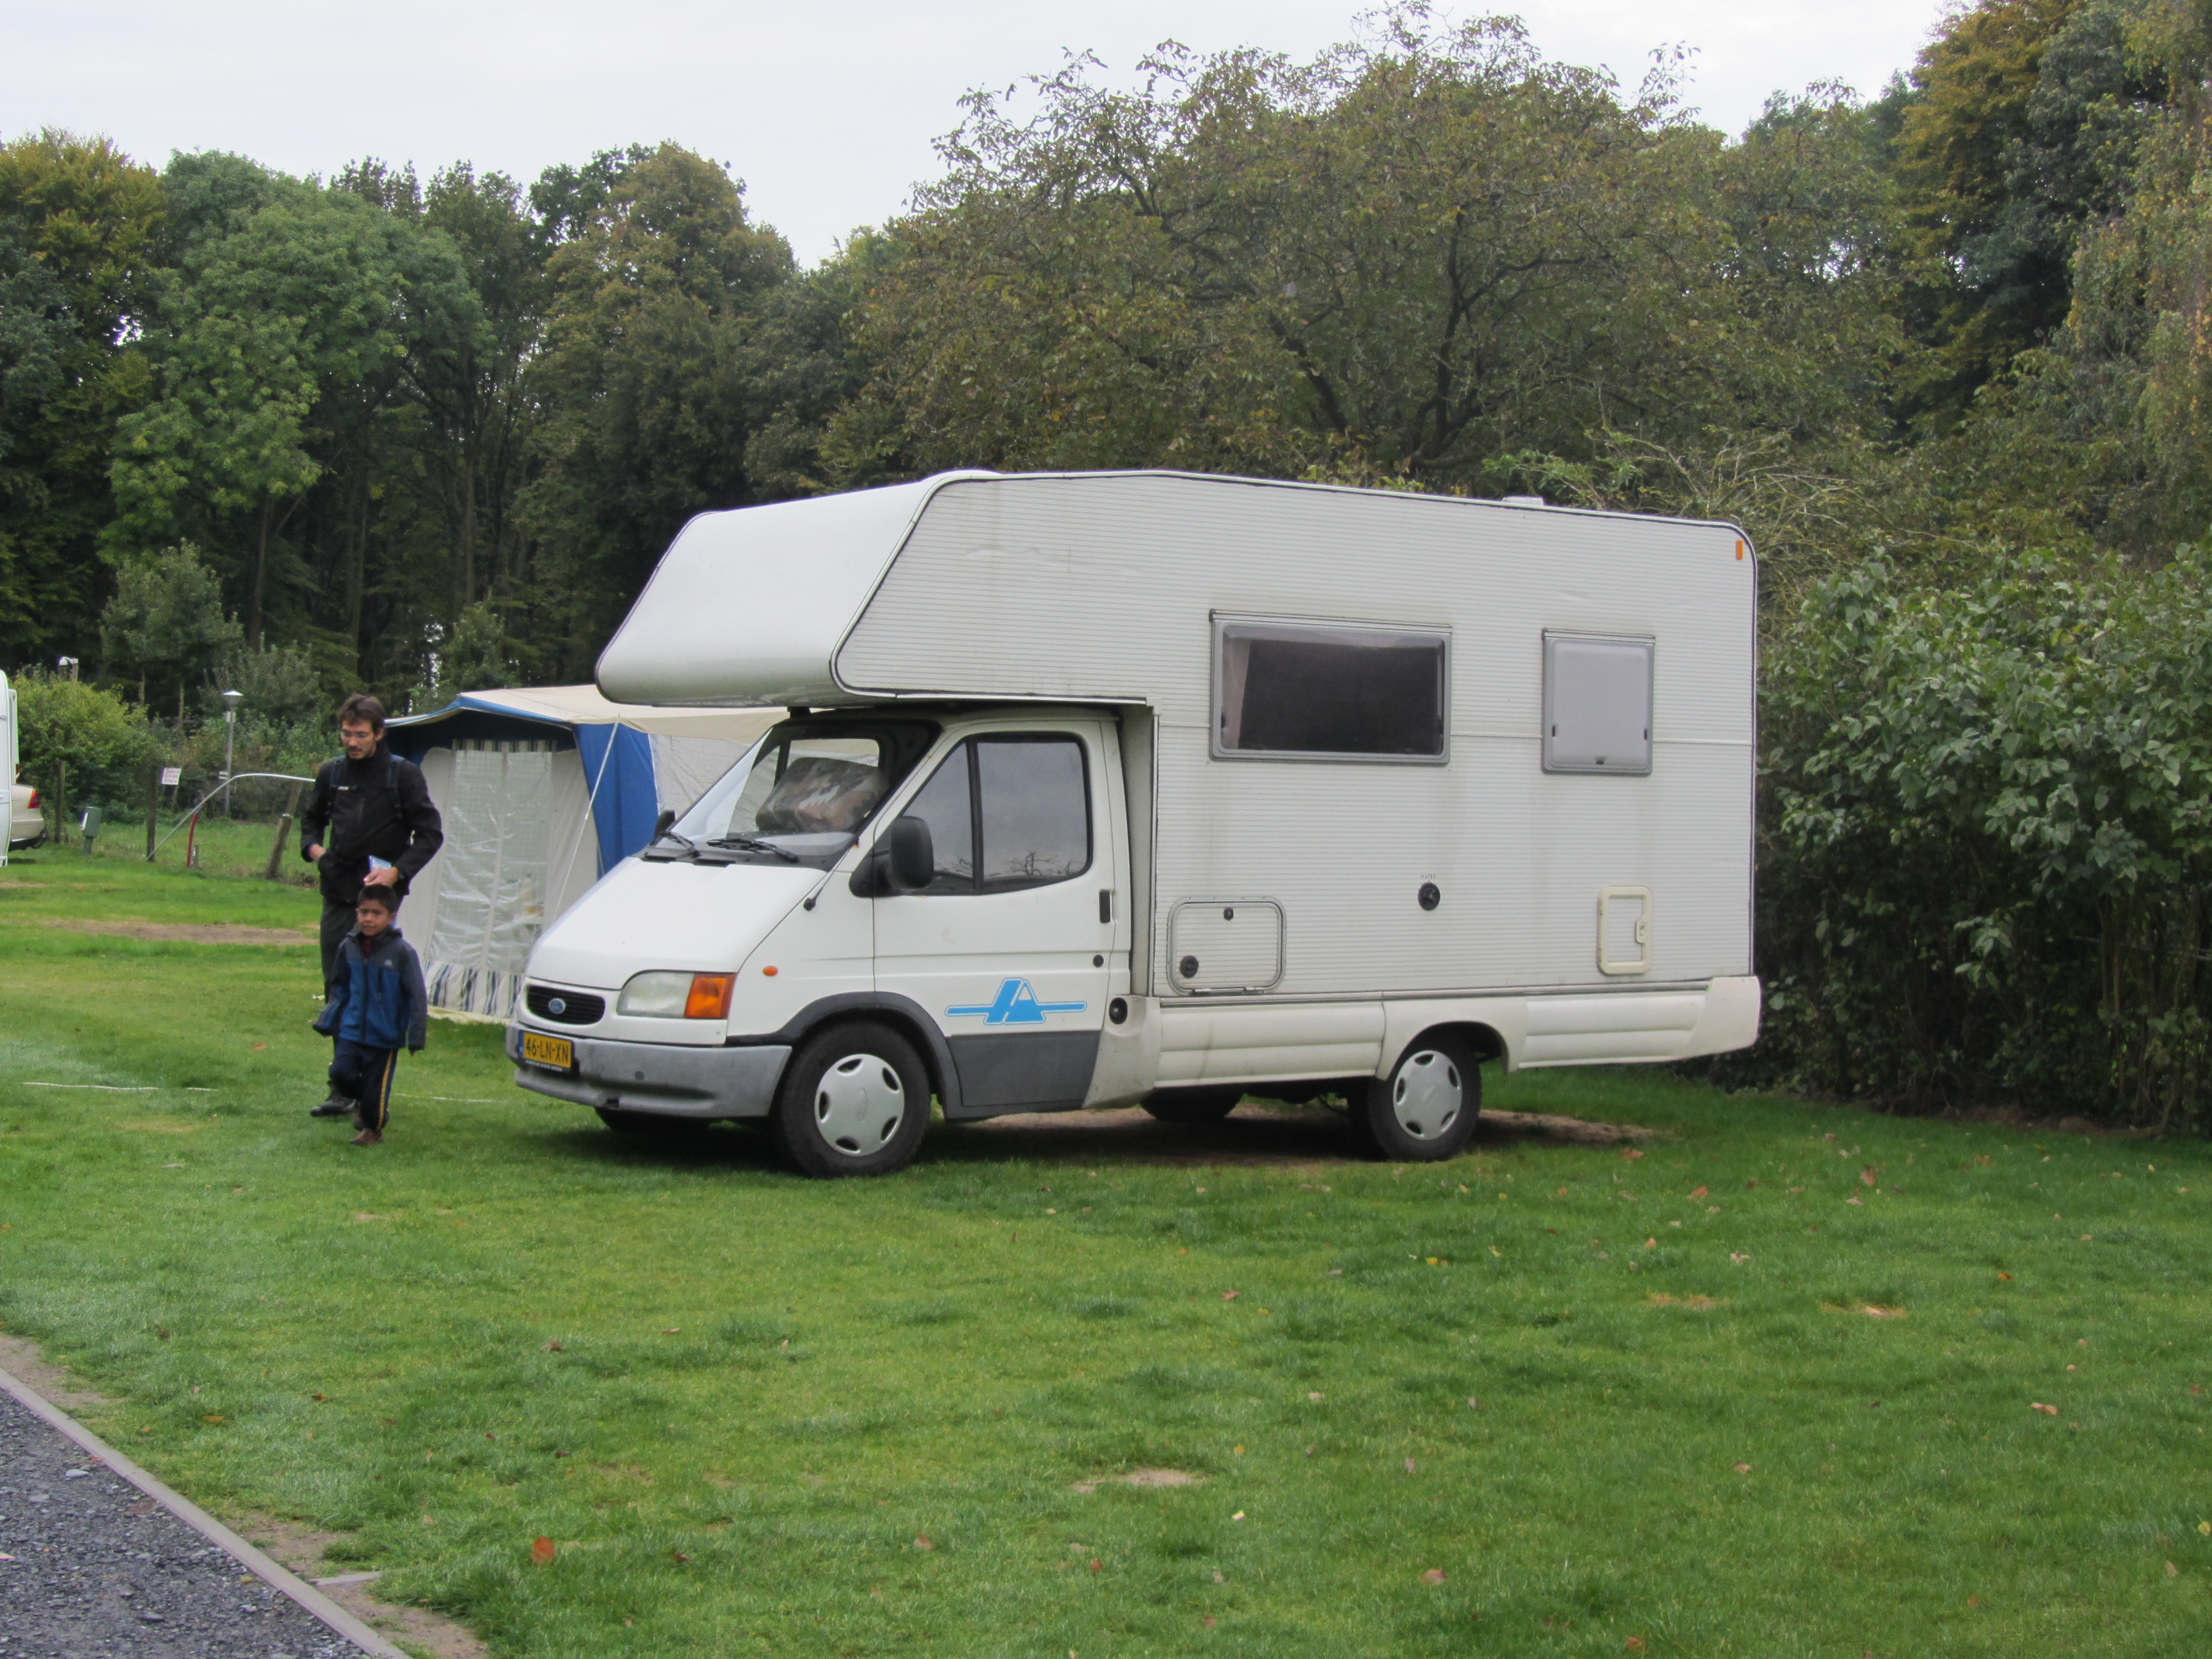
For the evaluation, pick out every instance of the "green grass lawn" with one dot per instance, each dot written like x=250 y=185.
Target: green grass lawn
x=739 y=1401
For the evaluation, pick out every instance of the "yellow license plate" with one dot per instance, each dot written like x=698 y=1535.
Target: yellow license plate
x=541 y=1050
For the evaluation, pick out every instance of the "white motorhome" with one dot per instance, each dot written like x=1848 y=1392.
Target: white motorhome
x=1106 y=788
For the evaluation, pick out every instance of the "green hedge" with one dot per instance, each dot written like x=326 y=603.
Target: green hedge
x=1986 y=828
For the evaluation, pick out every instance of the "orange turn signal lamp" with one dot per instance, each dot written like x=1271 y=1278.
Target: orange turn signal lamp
x=710 y=996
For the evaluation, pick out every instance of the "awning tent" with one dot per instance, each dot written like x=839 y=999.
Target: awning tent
x=543 y=790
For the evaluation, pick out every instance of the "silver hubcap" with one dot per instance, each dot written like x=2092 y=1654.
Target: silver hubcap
x=1426 y=1094
x=859 y=1104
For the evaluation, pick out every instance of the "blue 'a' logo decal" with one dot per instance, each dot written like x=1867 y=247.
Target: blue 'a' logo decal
x=1015 y=1003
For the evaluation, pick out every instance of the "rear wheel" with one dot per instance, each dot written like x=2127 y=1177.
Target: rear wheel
x=1425 y=1110
x=1192 y=1105
x=854 y=1101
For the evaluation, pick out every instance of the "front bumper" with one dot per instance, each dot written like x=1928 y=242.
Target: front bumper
x=660 y=1078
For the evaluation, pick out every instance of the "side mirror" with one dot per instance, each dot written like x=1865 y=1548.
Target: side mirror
x=661 y=824
x=914 y=857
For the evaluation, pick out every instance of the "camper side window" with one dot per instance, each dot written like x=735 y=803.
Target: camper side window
x=1017 y=809
x=1285 y=691
x=1597 y=703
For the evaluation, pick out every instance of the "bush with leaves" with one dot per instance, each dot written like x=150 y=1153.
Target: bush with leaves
x=1986 y=868
x=87 y=729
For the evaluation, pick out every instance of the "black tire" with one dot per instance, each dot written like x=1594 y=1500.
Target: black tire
x=854 y=1101
x=1192 y=1105
x=650 y=1126
x=1425 y=1111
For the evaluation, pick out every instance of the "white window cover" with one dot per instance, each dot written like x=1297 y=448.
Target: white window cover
x=1597 y=703
x=492 y=888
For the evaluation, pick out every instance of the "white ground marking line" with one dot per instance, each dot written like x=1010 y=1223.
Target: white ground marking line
x=348 y=1578
x=105 y=1088
x=202 y=1523
x=453 y=1100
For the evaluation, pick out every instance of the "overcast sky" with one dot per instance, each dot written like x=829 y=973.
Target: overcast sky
x=827 y=111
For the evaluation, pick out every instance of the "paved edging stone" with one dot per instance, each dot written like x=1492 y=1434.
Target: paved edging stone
x=305 y=1594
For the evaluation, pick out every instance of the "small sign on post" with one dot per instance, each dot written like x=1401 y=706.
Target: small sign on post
x=171 y=776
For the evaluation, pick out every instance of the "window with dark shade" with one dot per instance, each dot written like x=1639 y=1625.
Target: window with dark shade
x=1321 y=690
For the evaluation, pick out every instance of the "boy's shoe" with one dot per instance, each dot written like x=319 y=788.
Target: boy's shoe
x=368 y=1138
x=337 y=1105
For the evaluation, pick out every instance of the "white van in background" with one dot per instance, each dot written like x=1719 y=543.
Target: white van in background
x=1104 y=789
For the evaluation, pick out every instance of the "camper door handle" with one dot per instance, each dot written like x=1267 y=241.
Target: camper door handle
x=1105 y=905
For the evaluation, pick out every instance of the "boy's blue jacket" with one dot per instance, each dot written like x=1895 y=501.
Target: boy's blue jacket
x=377 y=999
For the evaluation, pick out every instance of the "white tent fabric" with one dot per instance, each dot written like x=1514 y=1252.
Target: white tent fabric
x=521 y=842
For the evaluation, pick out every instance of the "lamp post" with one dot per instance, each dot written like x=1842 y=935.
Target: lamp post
x=69 y=663
x=230 y=701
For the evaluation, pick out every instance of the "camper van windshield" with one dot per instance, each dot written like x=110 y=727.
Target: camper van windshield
x=800 y=797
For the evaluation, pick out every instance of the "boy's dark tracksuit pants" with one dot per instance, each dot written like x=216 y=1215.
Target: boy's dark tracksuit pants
x=364 y=1074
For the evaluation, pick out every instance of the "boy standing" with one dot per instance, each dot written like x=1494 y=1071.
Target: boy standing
x=375 y=1002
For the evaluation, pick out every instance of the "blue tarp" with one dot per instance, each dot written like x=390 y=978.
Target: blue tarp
x=617 y=760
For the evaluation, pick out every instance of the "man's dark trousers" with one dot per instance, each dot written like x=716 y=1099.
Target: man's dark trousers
x=364 y=1075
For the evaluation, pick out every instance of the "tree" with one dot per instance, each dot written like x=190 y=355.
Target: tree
x=1421 y=256
x=166 y=624
x=81 y=238
x=279 y=339
x=2023 y=125
x=646 y=403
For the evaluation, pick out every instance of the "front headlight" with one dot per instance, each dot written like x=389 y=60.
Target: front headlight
x=678 y=996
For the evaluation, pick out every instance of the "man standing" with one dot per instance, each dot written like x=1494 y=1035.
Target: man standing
x=369 y=823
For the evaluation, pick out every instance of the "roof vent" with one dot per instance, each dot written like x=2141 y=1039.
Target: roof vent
x=1526 y=501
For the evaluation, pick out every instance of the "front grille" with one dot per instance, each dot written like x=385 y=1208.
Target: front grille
x=565 y=1007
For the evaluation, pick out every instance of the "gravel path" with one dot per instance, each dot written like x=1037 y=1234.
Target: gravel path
x=90 y=1568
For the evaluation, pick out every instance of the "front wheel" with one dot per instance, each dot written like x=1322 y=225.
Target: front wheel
x=1425 y=1110
x=853 y=1102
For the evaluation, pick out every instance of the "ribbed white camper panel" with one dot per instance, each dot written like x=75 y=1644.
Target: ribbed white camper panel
x=1099 y=587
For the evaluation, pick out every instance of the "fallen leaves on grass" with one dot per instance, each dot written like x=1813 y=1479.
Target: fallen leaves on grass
x=1433 y=1575
x=541 y=1550
x=1868 y=1175
x=552 y=1347
x=1631 y=1152
x=1873 y=1312
x=1635 y=1645
x=923 y=1541
x=369 y=1215
x=2038 y=1406
x=1699 y=1193
x=1409 y=1466
x=1097 y=1565
x=2172 y=1572
x=1696 y=1304
x=1743 y=1469
x=1230 y=1296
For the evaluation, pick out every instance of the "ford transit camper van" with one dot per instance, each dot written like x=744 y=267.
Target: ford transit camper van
x=1096 y=789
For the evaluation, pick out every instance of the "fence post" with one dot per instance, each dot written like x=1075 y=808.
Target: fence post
x=153 y=806
x=283 y=829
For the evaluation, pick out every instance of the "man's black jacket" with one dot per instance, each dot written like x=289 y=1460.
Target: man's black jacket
x=379 y=807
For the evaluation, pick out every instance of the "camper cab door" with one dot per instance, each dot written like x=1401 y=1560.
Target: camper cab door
x=1012 y=948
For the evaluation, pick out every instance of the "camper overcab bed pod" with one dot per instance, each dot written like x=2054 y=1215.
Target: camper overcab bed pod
x=1101 y=788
